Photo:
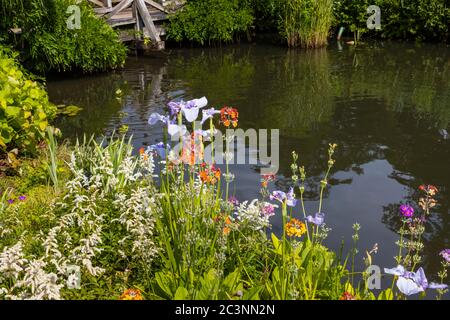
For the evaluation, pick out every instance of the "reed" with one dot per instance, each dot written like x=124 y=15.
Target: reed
x=306 y=23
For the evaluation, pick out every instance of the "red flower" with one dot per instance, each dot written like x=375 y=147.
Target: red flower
x=347 y=296
x=209 y=175
x=429 y=189
x=229 y=116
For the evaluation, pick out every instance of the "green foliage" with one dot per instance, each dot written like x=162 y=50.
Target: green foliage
x=51 y=46
x=206 y=21
x=352 y=14
x=25 y=111
x=413 y=19
x=210 y=286
x=306 y=23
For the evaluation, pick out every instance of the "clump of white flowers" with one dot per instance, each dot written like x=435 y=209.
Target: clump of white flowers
x=30 y=281
x=106 y=216
x=253 y=214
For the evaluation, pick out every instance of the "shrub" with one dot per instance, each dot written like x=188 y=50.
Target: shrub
x=51 y=46
x=414 y=19
x=352 y=15
x=209 y=21
x=24 y=107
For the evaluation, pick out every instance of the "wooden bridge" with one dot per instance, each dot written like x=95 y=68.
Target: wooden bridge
x=137 y=20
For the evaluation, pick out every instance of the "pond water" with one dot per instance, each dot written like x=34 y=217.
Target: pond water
x=386 y=105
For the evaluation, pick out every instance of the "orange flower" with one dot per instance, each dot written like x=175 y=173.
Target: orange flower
x=229 y=116
x=295 y=228
x=209 y=175
x=131 y=294
x=228 y=220
x=217 y=173
x=226 y=231
x=142 y=151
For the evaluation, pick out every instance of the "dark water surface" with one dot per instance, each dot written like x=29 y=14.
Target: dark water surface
x=387 y=106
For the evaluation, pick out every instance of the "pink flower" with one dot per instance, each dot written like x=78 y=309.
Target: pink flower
x=406 y=210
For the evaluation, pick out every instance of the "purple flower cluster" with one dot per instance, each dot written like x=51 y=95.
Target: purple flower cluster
x=268 y=210
x=234 y=201
x=445 y=254
x=21 y=198
x=406 y=210
x=318 y=219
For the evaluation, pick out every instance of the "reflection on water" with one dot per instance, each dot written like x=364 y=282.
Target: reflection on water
x=387 y=106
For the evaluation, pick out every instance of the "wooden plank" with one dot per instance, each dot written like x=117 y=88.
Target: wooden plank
x=156 y=5
x=121 y=22
x=121 y=6
x=107 y=3
x=137 y=26
x=148 y=22
x=102 y=11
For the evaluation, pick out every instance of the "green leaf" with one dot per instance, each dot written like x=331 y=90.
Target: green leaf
x=386 y=295
x=12 y=112
x=164 y=284
x=181 y=294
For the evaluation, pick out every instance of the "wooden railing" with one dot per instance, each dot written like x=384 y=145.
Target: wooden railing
x=143 y=14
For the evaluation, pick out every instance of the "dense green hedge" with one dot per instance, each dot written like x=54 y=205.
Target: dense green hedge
x=206 y=21
x=203 y=21
x=49 y=45
x=400 y=19
x=25 y=111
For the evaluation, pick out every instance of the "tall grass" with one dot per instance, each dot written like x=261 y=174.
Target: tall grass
x=52 y=165
x=306 y=23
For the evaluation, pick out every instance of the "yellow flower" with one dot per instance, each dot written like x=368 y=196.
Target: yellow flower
x=295 y=228
x=131 y=294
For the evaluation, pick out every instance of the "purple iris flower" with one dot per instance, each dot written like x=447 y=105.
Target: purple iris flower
x=318 y=218
x=159 y=148
x=445 y=254
x=406 y=210
x=282 y=196
x=155 y=117
x=10 y=201
x=234 y=201
x=22 y=198
x=209 y=113
x=191 y=108
x=412 y=282
x=172 y=128
x=174 y=107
